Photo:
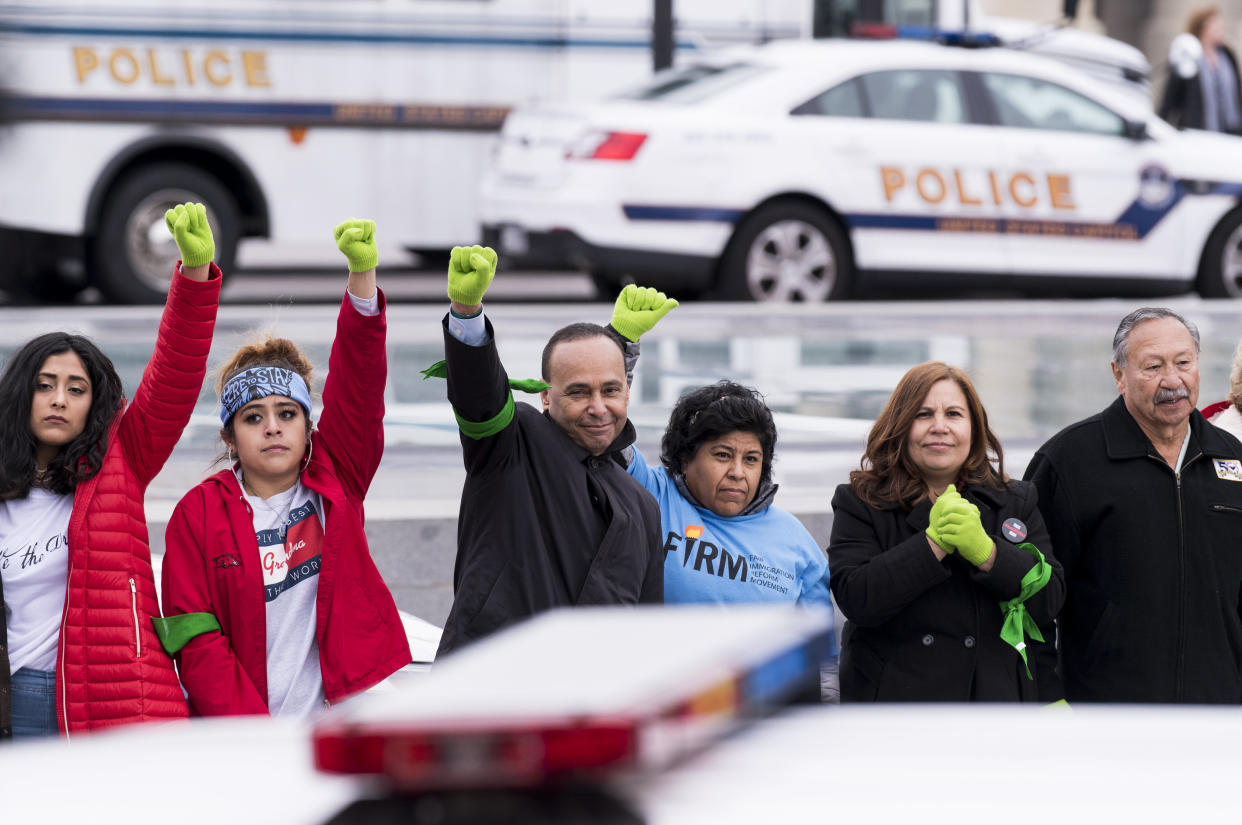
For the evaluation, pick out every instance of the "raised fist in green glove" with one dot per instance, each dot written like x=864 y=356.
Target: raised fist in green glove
x=639 y=309
x=959 y=526
x=470 y=272
x=355 y=237
x=189 y=228
x=949 y=496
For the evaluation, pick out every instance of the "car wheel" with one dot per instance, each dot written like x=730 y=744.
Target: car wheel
x=607 y=284
x=133 y=252
x=787 y=252
x=47 y=286
x=1220 y=273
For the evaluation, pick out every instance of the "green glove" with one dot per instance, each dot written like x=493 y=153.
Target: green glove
x=960 y=526
x=639 y=309
x=933 y=526
x=189 y=228
x=470 y=272
x=356 y=238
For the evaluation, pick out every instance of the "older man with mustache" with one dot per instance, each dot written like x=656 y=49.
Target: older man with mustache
x=1144 y=505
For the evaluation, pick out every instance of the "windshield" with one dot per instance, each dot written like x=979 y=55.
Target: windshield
x=690 y=84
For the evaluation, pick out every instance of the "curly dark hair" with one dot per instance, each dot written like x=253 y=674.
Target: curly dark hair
x=710 y=412
x=887 y=476
x=81 y=458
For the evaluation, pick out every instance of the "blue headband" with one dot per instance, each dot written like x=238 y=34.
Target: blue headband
x=260 y=382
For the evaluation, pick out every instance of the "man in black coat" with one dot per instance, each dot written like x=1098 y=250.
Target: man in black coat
x=1144 y=505
x=549 y=516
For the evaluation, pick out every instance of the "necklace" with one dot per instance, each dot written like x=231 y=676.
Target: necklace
x=284 y=518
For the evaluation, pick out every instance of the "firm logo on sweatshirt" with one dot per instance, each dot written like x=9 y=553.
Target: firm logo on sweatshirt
x=707 y=557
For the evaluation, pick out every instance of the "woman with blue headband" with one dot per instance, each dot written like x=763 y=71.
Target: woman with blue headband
x=273 y=604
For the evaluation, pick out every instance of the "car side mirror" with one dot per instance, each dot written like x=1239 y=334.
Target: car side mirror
x=1135 y=130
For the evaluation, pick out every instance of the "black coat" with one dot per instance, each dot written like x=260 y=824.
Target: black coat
x=543 y=523
x=1153 y=561
x=923 y=630
x=1182 y=101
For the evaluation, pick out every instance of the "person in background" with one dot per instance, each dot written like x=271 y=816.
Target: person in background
x=78 y=651
x=941 y=565
x=1143 y=502
x=273 y=603
x=1203 y=89
x=1227 y=414
x=549 y=517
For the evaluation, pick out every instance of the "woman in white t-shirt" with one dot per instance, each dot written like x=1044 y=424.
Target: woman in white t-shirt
x=77 y=647
x=273 y=603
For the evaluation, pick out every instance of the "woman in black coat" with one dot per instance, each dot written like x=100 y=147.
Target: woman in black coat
x=941 y=566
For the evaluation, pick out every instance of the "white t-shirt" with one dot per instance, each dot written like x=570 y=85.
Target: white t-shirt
x=34 y=564
x=290 y=584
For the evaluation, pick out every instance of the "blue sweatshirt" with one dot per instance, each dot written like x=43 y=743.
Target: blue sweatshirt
x=766 y=556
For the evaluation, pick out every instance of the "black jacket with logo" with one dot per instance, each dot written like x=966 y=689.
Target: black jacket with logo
x=1153 y=561
x=920 y=629
x=543 y=523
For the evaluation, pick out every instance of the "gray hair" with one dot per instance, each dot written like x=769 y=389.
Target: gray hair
x=1138 y=316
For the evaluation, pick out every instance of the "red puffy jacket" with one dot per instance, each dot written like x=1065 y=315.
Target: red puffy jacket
x=111 y=668
x=212 y=562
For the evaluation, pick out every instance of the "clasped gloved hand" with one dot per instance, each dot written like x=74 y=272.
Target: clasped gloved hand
x=959 y=526
x=188 y=225
x=355 y=238
x=470 y=273
x=949 y=496
x=639 y=309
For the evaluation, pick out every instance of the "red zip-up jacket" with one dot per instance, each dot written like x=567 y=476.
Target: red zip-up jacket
x=110 y=668
x=212 y=563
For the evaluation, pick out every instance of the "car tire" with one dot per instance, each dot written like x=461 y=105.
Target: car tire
x=1220 y=271
x=789 y=252
x=133 y=252
x=47 y=286
x=607 y=284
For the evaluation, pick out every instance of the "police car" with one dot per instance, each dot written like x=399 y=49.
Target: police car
x=806 y=171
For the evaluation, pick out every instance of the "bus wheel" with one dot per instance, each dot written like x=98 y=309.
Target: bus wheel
x=133 y=251
x=1220 y=272
x=787 y=251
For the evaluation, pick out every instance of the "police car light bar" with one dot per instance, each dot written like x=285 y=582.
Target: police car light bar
x=889 y=31
x=580 y=693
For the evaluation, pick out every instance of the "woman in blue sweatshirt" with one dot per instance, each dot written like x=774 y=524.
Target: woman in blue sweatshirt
x=724 y=541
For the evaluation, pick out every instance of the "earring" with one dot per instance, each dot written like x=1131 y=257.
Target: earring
x=310 y=445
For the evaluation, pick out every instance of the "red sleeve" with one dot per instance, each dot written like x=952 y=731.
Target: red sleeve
x=351 y=426
x=173 y=379
x=213 y=677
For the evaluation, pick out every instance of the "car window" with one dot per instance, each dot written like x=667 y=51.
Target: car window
x=691 y=84
x=912 y=94
x=842 y=100
x=1030 y=103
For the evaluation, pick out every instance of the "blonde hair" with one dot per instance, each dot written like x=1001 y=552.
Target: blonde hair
x=1199 y=18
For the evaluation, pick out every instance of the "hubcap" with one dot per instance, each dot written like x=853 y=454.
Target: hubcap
x=790 y=260
x=1231 y=264
x=149 y=245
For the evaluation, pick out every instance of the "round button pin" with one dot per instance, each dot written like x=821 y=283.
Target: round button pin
x=1013 y=530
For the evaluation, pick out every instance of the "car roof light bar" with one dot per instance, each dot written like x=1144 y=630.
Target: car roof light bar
x=718 y=669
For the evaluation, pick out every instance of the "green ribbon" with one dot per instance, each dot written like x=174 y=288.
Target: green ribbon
x=175 y=632
x=482 y=429
x=1018 y=624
